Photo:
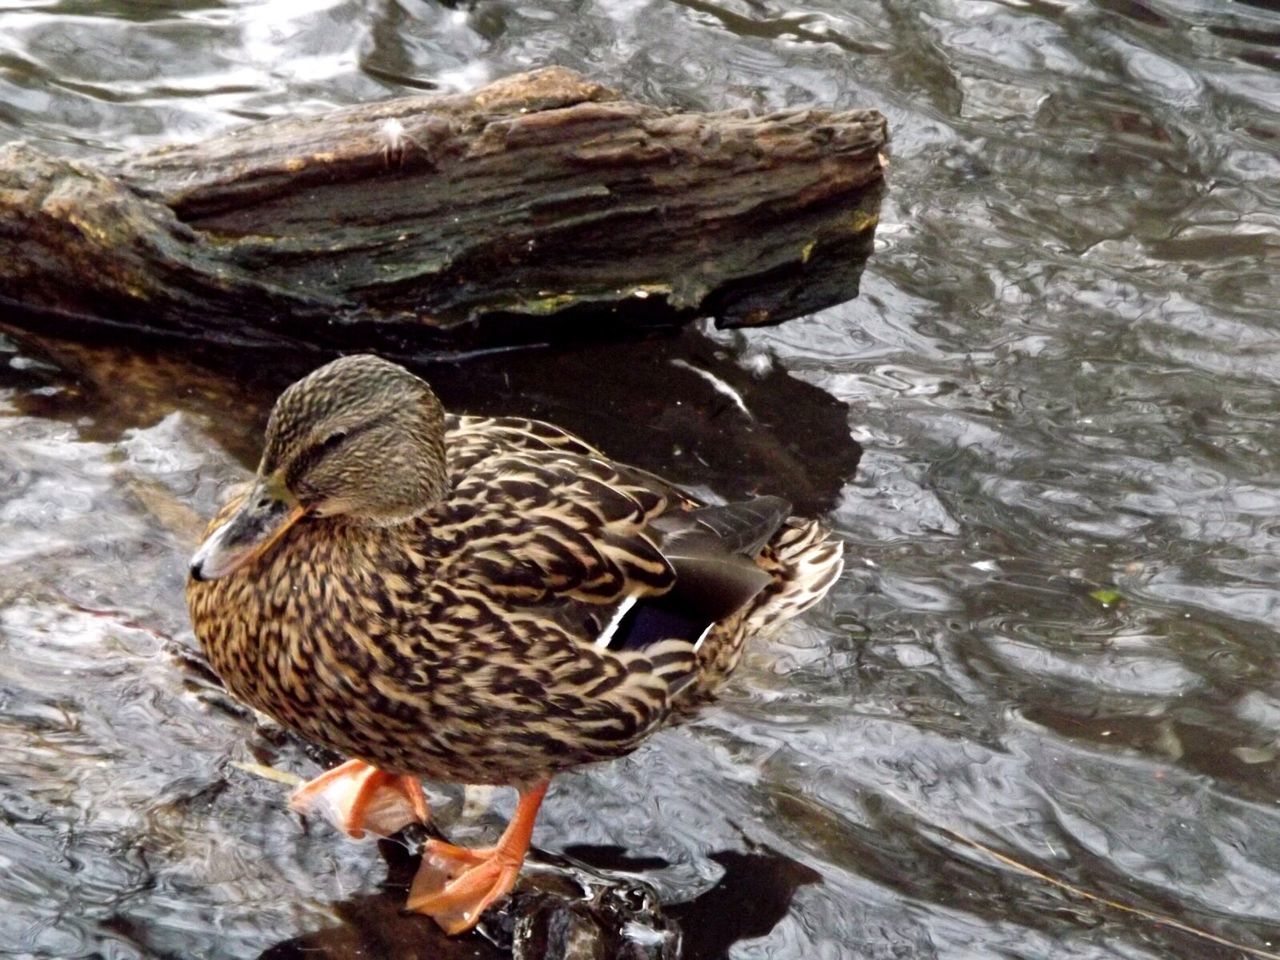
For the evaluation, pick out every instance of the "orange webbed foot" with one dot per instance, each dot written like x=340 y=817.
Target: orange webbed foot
x=455 y=885
x=356 y=796
x=455 y=890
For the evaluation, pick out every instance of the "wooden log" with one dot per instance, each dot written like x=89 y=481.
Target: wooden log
x=538 y=203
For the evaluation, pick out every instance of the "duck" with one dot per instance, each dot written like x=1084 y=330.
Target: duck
x=476 y=600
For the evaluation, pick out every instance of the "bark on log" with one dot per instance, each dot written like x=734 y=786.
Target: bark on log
x=501 y=216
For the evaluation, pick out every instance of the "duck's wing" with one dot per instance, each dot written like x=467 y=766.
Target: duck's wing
x=580 y=588
x=536 y=526
x=554 y=521
x=713 y=552
x=470 y=439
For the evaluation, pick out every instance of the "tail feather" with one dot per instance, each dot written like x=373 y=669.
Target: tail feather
x=743 y=527
x=803 y=561
x=806 y=561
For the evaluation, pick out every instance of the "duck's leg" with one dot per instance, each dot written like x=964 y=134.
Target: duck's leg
x=355 y=795
x=455 y=885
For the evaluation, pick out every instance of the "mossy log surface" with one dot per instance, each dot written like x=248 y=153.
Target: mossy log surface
x=538 y=203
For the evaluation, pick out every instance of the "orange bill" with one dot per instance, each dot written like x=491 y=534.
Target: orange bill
x=264 y=515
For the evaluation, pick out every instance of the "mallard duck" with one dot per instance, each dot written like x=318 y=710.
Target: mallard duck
x=479 y=600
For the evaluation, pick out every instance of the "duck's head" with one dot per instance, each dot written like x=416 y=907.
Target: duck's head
x=360 y=437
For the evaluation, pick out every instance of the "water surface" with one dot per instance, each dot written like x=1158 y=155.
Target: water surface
x=1057 y=633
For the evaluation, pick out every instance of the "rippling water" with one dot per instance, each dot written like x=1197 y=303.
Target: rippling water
x=1057 y=634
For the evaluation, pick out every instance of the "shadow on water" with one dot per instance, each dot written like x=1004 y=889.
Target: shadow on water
x=761 y=880
x=704 y=928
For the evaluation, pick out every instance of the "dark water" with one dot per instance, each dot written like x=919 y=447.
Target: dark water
x=1057 y=633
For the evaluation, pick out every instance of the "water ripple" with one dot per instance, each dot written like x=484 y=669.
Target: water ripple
x=1057 y=629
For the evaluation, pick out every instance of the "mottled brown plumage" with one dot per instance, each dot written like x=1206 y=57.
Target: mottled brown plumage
x=478 y=600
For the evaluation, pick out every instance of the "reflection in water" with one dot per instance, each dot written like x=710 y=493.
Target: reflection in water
x=1057 y=632
x=678 y=399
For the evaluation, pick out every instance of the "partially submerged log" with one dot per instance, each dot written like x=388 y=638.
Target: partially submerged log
x=501 y=216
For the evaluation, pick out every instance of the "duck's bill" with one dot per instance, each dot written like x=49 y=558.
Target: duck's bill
x=262 y=519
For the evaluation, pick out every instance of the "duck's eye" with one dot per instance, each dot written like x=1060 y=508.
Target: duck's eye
x=332 y=441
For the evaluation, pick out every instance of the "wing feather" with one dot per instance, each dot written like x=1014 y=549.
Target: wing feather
x=537 y=515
